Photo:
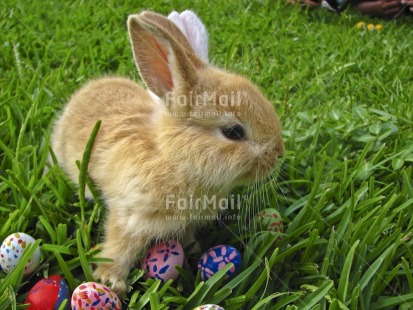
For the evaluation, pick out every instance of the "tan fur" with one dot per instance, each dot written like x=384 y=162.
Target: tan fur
x=150 y=149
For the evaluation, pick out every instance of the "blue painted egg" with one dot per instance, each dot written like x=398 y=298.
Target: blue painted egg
x=48 y=294
x=159 y=262
x=209 y=307
x=218 y=257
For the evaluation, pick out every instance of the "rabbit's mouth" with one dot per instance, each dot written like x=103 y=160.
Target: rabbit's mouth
x=264 y=173
x=258 y=173
x=263 y=163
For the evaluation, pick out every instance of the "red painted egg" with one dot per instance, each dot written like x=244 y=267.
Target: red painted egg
x=48 y=294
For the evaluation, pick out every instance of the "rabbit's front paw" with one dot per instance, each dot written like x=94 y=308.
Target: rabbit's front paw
x=105 y=274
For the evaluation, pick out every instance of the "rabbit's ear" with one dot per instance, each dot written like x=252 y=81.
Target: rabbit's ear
x=194 y=30
x=176 y=19
x=196 y=33
x=163 y=63
x=175 y=31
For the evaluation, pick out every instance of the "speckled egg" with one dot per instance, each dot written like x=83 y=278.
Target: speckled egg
x=269 y=220
x=209 y=307
x=12 y=250
x=218 y=257
x=48 y=294
x=94 y=296
x=160 y=261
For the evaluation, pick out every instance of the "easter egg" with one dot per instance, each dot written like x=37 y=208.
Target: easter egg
x=218 y=257
x=269 y=220
x=159 y=262
x=209 y=307
x=48 y=294
x=94 y=296
x=12 y=250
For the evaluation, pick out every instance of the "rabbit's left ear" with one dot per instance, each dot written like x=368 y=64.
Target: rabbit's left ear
x=163 y=63
x=194 y=30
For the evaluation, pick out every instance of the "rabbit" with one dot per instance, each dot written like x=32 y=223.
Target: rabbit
x=205 y=132
x=194 y=30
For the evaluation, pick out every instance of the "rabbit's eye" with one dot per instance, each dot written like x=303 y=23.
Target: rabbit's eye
x=233 y=132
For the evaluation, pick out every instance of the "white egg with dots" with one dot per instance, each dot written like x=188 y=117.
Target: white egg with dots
x=209 y=307
x=12 y=250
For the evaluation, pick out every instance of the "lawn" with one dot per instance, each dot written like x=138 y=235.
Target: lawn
x=344 y=187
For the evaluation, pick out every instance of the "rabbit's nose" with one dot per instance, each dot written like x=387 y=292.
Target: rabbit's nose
x=272 y=156
x=278 y=150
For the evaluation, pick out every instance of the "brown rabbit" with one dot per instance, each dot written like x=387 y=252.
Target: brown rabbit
x=197 y=134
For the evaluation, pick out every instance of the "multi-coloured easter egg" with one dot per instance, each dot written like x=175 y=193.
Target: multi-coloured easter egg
x=269 y=220
x=160 y=260
x=12 y=250
x=48 y=294
x=94 y=296
x=218 y=257
x=209 y=307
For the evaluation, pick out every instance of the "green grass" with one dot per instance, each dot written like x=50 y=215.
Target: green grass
x=344 y=189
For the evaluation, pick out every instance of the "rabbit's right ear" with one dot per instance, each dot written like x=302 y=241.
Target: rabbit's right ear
x=176 y=19
x=163 y=63
x=196 y=33
x=194 y=30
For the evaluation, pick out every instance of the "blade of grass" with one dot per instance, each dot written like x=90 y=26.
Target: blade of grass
x=313 y=298
x=345 y=274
